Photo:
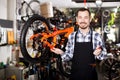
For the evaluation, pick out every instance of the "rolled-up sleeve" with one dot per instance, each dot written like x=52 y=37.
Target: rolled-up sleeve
x=103 y=53
x=68 y=54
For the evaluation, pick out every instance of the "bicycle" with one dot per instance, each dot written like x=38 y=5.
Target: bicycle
x=41 y=38
x=35 y=46
x=110 y=67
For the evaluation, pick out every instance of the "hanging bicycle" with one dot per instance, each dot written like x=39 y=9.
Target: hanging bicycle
x=38 y=37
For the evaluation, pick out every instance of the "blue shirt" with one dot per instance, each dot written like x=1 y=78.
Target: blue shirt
x=96 y=40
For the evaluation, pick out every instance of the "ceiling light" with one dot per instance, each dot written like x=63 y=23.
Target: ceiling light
x=98 y=3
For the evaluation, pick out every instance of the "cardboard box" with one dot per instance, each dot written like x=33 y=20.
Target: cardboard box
x=46 y=9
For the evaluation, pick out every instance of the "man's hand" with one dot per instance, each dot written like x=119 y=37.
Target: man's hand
x=57 y=50
x=97 y=51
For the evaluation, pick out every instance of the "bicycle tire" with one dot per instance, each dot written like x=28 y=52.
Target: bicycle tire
x=33 y=10
x=62 y=68
x=23 y=36
x=106 y=66
x=115 y=71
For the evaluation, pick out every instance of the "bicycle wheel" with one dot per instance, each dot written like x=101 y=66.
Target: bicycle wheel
x=107 y=68
x=115 y=71
x=33 y=50
x=64 y=67
x=33 y=7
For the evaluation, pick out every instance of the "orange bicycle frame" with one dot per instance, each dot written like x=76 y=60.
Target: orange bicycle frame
x=54 y=35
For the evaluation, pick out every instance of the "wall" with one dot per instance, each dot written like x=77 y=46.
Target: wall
x=7 y=12
x=3 y=9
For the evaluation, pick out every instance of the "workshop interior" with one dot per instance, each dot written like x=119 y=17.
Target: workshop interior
x=29 y=29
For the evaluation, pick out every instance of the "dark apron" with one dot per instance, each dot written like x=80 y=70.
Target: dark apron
x=82 y=59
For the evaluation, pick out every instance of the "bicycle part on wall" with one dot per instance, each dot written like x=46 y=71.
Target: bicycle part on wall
x=35 y=6
x=110 y=22
x=3 y=36
x=106 y=13
x=28 y=9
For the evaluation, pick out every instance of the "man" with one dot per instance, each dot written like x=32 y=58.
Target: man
x=84 y=46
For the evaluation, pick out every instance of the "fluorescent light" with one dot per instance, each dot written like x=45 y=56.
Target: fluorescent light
x=98 y=3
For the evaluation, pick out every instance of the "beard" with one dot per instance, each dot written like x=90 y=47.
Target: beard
x=83 y=25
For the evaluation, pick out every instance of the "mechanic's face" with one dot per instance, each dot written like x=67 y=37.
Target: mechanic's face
x=83 y=19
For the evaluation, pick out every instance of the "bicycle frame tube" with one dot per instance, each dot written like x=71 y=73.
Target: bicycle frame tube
x=54 y=34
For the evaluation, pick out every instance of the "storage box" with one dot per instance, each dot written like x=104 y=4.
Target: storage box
x=46 y=9
x=2 y=74
x=13 y=71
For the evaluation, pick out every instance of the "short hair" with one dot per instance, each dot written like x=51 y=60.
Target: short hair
x=83 y=9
